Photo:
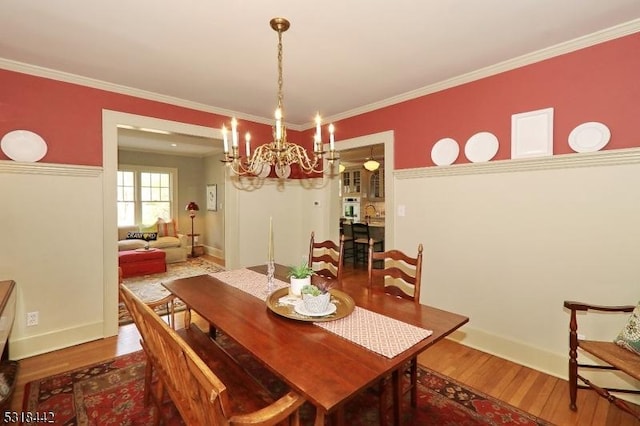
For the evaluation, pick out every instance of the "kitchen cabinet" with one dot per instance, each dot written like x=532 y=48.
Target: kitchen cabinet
x=376 y=184
x=351 y=182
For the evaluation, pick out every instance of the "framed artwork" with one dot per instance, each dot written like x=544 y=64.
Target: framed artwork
x=532 y=134
x=212 y=197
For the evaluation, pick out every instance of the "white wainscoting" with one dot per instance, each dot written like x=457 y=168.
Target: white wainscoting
x=51 y=227
x=506 y=242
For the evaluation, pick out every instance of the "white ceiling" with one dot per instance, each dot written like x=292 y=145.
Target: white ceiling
x=340 y=57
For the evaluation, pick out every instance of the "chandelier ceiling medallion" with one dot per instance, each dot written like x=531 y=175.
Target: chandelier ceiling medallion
x=279 y=154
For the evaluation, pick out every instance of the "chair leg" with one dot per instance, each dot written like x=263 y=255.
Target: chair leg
x=573 y=360
x=573 y=380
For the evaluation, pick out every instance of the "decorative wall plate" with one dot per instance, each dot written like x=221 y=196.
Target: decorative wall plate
x=589 y=137
x=481 y=147
x=445 y=152
x=23 y=145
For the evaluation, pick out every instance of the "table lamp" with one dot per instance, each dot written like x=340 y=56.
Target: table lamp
x=192 y=207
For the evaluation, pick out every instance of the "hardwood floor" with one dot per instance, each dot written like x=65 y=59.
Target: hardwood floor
x=537 y=393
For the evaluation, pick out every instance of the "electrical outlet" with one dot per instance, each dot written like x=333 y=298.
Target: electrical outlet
x=32 y=318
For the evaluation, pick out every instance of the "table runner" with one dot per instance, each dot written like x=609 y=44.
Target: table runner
x=376 y=332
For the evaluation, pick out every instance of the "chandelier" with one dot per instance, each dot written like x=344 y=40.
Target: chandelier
x=278 y=154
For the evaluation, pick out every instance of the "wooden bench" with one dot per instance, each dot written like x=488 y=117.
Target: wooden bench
x=204 y=383
x=616 y=358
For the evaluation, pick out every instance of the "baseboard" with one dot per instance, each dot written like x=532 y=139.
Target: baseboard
x=544 y=361
x=215 y=252
x=58 y=339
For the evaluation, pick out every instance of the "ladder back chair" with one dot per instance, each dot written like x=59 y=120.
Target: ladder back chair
x=198 y=394
x=401 y=276
x=616 y=358
x=326 y=258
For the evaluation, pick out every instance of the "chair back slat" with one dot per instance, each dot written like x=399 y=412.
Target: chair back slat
x=401 y=275
x=326 y=258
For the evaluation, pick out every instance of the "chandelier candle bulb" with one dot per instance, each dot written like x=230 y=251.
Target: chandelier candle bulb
x=224 y=139
x=247 y=141
x=278 y=124
x=331 y=138
x=234 y=132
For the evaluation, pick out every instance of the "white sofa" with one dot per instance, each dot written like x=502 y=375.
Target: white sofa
x=174 y=247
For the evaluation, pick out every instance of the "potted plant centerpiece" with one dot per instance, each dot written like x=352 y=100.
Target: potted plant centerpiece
x=300 y=275
x=316 y=296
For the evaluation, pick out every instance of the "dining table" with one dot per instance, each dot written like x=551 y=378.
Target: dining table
x=327 y=361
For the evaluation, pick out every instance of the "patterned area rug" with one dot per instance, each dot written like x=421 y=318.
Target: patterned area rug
x=111 y=393
x=149 y=287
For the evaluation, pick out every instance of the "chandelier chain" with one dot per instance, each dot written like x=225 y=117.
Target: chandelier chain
x=280 y=80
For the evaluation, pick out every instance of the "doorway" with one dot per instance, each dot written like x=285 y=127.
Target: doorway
x=386 y=139
x=110 y=122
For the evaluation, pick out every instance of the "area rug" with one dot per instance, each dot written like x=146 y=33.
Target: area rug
x=111 y=393
x=149 y=287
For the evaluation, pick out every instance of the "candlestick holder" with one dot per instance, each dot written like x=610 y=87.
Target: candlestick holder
x=271 y=269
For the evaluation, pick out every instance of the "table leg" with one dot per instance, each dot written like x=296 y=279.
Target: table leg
x=338 y=416
x=396 y=378
x=212 y=331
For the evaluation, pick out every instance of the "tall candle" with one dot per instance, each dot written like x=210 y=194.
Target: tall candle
x=247 y=140
x=270 y=238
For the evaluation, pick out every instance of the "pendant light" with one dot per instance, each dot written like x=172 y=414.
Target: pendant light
x=371 y=164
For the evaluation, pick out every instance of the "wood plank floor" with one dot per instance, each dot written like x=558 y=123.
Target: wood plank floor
x=537 y=393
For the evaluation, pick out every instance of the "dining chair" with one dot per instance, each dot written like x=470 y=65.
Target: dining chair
x=400 y=276
x=326 y=258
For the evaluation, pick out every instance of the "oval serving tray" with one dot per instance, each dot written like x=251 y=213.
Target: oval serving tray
x=344 y=306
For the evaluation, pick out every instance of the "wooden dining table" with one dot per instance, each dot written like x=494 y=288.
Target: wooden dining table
x=328 y=370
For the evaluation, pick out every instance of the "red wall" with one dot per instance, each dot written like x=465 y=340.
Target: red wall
x=599 y=83
x=69 y=116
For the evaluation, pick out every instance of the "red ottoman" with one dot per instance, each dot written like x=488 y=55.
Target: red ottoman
x=141 y=262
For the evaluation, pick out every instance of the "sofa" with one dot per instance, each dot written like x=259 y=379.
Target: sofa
x=169 y=240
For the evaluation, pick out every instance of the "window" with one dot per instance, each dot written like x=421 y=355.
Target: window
x=145 y=194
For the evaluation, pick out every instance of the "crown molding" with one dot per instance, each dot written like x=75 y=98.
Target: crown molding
x=19 y=167
x=612 y=33
x=618 y=31
x=616 y=157
x=66 y=77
